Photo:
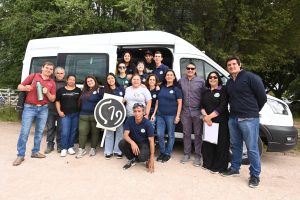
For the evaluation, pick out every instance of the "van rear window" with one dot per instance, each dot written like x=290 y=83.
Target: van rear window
x=85 y=64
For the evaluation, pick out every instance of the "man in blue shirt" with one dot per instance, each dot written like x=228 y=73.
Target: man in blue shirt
x=138 y=143
x=160 y=69
x=246 y=98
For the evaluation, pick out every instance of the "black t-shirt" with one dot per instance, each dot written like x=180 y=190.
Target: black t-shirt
x=68 y=100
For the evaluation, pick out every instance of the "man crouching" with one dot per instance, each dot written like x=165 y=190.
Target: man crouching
x=138 y=143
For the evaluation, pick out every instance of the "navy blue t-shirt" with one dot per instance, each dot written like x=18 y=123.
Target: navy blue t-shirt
x=167 y=100
x=119 y=91
x=139 y=133
x=154 y=94
x=89 y=100
x=160 y=72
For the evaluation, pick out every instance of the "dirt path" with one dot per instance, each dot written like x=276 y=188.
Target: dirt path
x=96 y=178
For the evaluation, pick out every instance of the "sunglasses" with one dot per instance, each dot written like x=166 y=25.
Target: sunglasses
x=122 y=67
x=138 y=105
x=190 y=68
x=213 y=77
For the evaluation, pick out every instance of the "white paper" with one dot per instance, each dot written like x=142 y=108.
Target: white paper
x=210 y=133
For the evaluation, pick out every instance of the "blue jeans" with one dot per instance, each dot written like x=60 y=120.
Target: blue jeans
x=31 y=112
x=112 y=143
x=162 y=123
x=247 y=130
x=69 y=130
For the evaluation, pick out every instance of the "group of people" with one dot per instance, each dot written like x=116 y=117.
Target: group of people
x=155 y=102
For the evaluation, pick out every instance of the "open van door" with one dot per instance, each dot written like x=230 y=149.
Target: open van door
x=84 y=60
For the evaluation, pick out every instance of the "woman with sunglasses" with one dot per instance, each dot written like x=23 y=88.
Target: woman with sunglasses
x=169 y=103
x=215 y=109
x=112 y=140
x=91 y=94
x=122 y=76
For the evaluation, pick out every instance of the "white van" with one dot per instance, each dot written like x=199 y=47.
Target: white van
x=98 y=54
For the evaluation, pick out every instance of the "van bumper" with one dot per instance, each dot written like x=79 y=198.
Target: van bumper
x=279 y=138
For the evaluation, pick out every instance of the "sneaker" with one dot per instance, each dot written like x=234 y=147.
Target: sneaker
x=185 y=159
x=254 y=182
x=160 y=157
x=81 y=153
x=214 y=171
x=129 y=164
x=38 y=155
x=166 y=158
x=92 y=152
x=63 y=153
x=197 y=162
x=231 y=172
x=18 y=161
x=119 y=156
x=108 y=156
x=48 y=150
x=71 y=151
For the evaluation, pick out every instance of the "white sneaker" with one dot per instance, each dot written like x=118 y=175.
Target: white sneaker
x=63 y=153
x=92 y=152
x=81 y=153
x=71 y=151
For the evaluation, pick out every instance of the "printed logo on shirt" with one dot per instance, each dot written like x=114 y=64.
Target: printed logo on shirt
x=126 y=82
x=138 y=95
x=171 y=91
x=217 y=94
x=143 y=130
x=121 y=93
x=144 y=80
x=161 y=72
x=154 y=96
x=95 y=92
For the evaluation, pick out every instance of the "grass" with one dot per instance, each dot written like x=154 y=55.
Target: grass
x=8 y=114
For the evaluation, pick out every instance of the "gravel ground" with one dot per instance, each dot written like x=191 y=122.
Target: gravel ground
x=96 y=178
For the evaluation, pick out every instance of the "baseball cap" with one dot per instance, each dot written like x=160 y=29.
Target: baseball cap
x=149 y=52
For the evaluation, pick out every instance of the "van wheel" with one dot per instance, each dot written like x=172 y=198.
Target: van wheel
x=245 y=160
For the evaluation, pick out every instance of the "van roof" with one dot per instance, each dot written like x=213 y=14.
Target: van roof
x=117 y=39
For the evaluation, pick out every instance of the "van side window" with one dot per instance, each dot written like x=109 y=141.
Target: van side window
x=85 y=64
x=37 y=62
x=203 y=68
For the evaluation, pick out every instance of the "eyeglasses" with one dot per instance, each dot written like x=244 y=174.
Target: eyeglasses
x=59 y=73
x=190 y=68
x=122 y=67
x=138 y=105
x=213 y=77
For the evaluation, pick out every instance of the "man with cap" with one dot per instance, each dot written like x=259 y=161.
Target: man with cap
x=149 y=62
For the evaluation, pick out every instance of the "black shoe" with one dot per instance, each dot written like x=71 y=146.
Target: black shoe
x=58 y=149
x=119 y=156
x=231 y=172
x=108 y=156
x=254 y=181
x=129 y=164
x=48 y=150
x=166 y=158
x=160 y=158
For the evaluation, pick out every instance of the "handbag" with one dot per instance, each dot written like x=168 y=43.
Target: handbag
x=21 y=99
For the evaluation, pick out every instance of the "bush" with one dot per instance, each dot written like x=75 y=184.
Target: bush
x=8 y=114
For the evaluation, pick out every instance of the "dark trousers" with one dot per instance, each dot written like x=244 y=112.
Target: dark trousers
x=143 y=156
x=52 y=130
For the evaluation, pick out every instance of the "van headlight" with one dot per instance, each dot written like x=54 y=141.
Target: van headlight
x=277 y=107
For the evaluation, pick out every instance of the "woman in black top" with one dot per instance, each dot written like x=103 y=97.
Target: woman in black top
x=68 y=110
x=130 y=66
x=215 y=109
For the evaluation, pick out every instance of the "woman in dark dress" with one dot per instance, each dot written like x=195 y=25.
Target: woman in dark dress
x=215 y=109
